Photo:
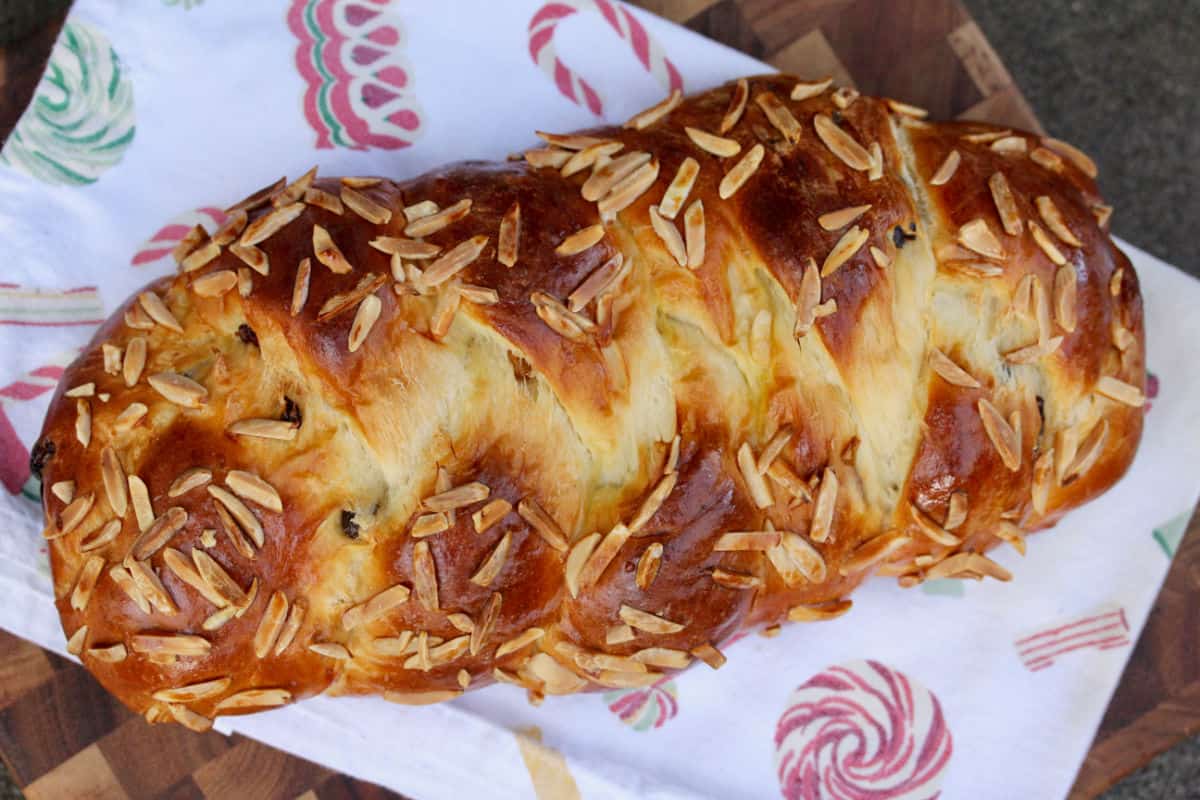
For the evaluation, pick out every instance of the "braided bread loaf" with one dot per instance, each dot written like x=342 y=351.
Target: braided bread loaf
x=572 y=421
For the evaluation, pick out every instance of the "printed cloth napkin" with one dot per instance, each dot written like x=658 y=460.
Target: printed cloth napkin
x=152 y=116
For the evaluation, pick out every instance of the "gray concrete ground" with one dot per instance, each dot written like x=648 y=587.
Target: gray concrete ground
x=1120 y=79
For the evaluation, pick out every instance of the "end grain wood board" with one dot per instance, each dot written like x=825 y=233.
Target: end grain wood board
x=61 y=735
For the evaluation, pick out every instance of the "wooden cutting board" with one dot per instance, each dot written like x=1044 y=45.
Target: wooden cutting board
x=61 y=735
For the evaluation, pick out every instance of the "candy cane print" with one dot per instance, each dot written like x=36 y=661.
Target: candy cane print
x=14 y=457
x=574 y=87
x=160 y=245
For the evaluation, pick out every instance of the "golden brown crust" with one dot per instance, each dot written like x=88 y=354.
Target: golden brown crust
x=410 y=452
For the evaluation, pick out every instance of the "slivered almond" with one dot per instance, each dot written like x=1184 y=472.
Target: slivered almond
x=796 y=560
x=580 y=241
x=1056 y=222
x=83 y=422
x=278 y=429
x=63 y=490
x=588 y=156
x=580 y=552
x=836 y=220
x=113 y=357
x=626 y=191
x=179 y=564
x=138 y=319
x=215 y=284
x=425 y=576
x=949 y=371
x=735 y=580
x=986 y=137
x=956 y=514
x=1064 y=297
x=86 y=582
x=270 y=624
x=978 y=237
x=78 y=640
x=1102 y=213
x=947 y=169
x=663 y=657
x=160 y=532
x=823 y=509
x=323 y=199
x=774 y=447
x=254 y=698
x=267 y=225
x=193 y=692
x=845 y=248
x=560 y=319
x=619 y=634
x=844 y=96
x=491 y=566
x=542 y=158
x=607 y=177
x=646 y=118
x=803 y=90
x=808 y=299
x=252 y=257
x=249 y=486
x=524 y=639
x=596 y=283
x=543 y=524
x=217 y=578
x=479 y=295
x=103 y=537
x=693 y=223
x=150 y=586
x=819 y=612
x=364 y=320
x=737 y=105
x=962 y=564
x=841 y=144
x=110 y=654
x=1047 y=159
x=486 y=622
x=647 y=622
x=603 y=555
x=179 y=389
x=740 y=172
x=182 y=645
x=456 y=498
x=328 y=253
x=190 y=241
x=1043 y=481
x=709 y=655
x=435 y=222
x=365 y=206
x=736 y=541
x=1088 y=452
x=1010 y=144
x=139 y=495
x=454 y=261
x=300 y=287
x=1000 y=433
x=875 y=550
x=779 y=116
x=681 y=186
x=121 y=577
x=405 y=248
x=648 y=564
x=756 y=485
x=1006 y=204
x=490 y=514
x=75 y=512
x=876 y=170
x=240 y=512
x=291 y=626
x=113 y=475
x=1048 y=246
x=669 y=235
x=333 y=650
x=135 y=360
x=508 y=241
x=1074 y=155
x=344 y=301
x=245 y=282
x=931 y=529
x=202 y=255
x=907 y=110
x=425 y=208
x=1120 y=391
x=429 y=524
x=233 y=227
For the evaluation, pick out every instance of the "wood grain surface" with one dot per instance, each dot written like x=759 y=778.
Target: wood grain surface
x=61 y=735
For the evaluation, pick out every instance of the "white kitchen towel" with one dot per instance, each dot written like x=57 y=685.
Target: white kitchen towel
x=155 y=114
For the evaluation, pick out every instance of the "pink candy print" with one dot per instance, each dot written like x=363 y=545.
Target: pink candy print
x=1102 y=630
x=862 y=731
x=160 y=245
x=359 y=92
x=14 y=456
x=645 y=707
x=572 y=86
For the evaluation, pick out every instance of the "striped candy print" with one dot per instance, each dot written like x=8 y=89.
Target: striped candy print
x=1102 y=630
x=14 y=455
x=27 y=306
x=160 y=245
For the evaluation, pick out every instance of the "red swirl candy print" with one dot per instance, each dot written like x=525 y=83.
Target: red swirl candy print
x=862 y=731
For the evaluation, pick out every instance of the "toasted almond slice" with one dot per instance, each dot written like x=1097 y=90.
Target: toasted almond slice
x=663 y=657
x=644 y=119
x=111 y=654
x=179 y=389
x=596 y=283
x=737 y=105
x=1088 y=453
x=1047 y=159
x=560 y=319
x=254 y=698
x=456 y=498
x=323 y=199
x=328 y=253
x=433 y=223
x=1064 y=297
x=344 y=301
x=113 y=357
x=756 y=485
x=364 y=320
x=709 y=655
x=986 y=137
x=737 y=541
x=876 y=170
x=160 y=532
x=245 y=282
x=1002 y=435
x=820 y=612
x=63 y=490
x=253 y=257
x=949 y=371
x=183 y=645
x=803 y=90
x=138 y=319
x=931 y=529
x=580 y=552
x=779 y=116
x=86 y=583
x=454 y=261
x=962 y=564
x=626 y=191
x=486 y=622
x=947 y=169
x=290 y=627
x=580 y=241
x=1043 y=481
x=195 y=236
x=1010 y=144
x=1120 y=391
x=215 y=284
x=693 y=223
x=1047 y=244
x=1074 y=155
x=300 y=287
x=875 y=550
x=444 y=311
x=1056 y=222
x=425 y=576
x=1102 y=213
x=735 y=580
x=365 y=206
x=122 y=578
x=956 y=514
x=543 y=524
x=179 y=564
x=836 y=220
x=265 y=226
x=405 y=248
x=647 y=622
x=75 y=512
x=774 y=447
x=139 y=495
x=202 y=255
x=796 y=560
x=681 y=186
x=669 y=235
x=216 y=577
x=240 y=512
x=278 y=429
x=157 y=310
x=844 y=96
x=103 y=537
x=603 y=555
x=648 y=565
x=907 y=110
x=977 y=269
x=588 y=156
x=251 y=487
x=78 y=640
x=607 y=177
x=150 y=586
x=619 y=634
x=823 y=509
x=524 y=639
x=849 y=244
x=332 y=650
x=429 y=524
x=737 y=176
x=841 y=144
x=83 y=422
x=270 y=624
x=479 y=295
x=544 y=157
x=490 y=514
x=978 y=237
x=1006 y=204
x=509 y=239
x=808 y=299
